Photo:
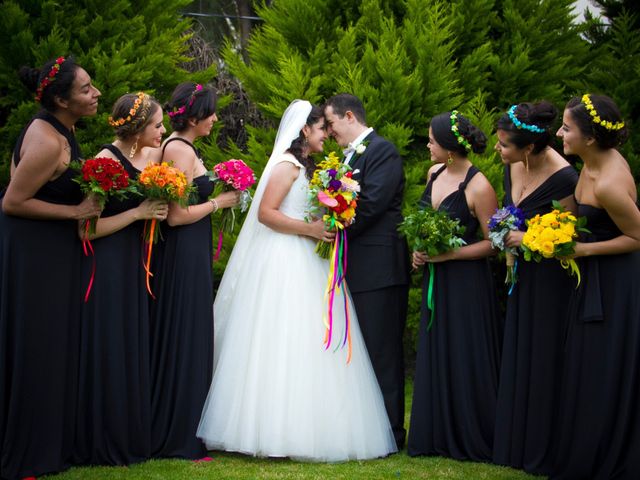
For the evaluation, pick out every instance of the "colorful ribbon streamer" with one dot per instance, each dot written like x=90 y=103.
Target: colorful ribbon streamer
x=337 y=272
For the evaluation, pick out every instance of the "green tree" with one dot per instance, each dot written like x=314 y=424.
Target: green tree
x=409 y=60
x=125 y=47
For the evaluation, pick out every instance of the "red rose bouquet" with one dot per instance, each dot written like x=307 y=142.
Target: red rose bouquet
x=101 y=177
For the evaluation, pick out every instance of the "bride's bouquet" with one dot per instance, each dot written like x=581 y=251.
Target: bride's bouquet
x=333 y=197
x=553 y=235
x=433 y=232
x=502 y=222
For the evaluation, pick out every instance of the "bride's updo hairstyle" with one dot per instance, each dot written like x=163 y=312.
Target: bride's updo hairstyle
x=54 y=79
x=131 y=113
x=530 y=124
x=605 y=124
x=456 y=133
x=190 y=101
x=297 y=145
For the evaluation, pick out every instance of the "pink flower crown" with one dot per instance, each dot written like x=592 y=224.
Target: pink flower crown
x=180 y=111
x=50 y=78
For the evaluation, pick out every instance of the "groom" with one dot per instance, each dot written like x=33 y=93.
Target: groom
x=378 y=269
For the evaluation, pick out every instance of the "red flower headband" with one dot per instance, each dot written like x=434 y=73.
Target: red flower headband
x=46 y=81
x=179 y=111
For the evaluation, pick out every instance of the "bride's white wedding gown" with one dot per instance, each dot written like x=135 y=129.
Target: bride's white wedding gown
x=276 y=391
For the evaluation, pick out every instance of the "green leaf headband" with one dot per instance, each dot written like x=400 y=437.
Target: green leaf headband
x=455 y=130
x=595 y=118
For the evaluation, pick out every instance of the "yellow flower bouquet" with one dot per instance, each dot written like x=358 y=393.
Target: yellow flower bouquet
x=553 y=235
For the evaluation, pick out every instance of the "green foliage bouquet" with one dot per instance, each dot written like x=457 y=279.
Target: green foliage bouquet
x=432 y=231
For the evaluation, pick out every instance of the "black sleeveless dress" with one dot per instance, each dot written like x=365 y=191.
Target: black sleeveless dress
x=598 y=434
x=40 y=299
x=114 y=405
x=182 y=334
x=534 y=329
x=456 y=379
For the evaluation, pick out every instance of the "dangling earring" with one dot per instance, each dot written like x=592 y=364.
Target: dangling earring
x=306 y=142
x=526 y=162
x=134 y=149
x=450 y=159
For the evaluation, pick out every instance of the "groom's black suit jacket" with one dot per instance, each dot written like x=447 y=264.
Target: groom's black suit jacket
x=377 y=256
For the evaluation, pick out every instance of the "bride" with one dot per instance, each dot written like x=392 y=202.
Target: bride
x=276 y=391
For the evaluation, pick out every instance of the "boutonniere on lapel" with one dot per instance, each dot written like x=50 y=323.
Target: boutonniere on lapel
x=362 y=147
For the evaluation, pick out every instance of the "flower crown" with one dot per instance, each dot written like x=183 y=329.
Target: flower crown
x=595 y=118
x=455 y=130
x=521 y=125
x=51 y=77
x=179 y=111
x=132 y=112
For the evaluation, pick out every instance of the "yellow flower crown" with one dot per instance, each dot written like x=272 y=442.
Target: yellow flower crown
x=595 y=118
x=132 y=112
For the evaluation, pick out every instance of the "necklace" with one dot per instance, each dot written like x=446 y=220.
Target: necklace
x=531 y=180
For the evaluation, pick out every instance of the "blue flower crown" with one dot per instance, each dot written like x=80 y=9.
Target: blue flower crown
x=521 y=125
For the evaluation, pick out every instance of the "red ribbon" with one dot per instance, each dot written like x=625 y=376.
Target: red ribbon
x=88 y=248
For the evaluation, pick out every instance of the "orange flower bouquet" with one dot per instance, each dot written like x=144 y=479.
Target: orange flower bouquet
x=165 y=182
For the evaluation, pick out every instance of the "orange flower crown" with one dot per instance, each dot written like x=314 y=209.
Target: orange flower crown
x=50 y=78
x=142 y=100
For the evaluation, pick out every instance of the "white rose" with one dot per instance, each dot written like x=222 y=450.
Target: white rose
x=360 y=149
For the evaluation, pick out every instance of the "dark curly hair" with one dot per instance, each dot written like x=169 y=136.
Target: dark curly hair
x=541 y=114
x=607 y=110
x=297 y=145
x=61 y=87
x=140 y=120
x=441 y=128
x=197 y=103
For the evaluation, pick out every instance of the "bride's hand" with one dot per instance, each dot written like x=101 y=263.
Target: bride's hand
x=317 y=230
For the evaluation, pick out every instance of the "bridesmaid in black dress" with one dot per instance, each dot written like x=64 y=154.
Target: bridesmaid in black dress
x=535 y=175
x=114 y=401
x=182 y=315
x=598 y=435
x=456 y=379
x=40 y=292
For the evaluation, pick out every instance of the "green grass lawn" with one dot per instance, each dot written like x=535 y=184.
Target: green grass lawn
x=235 y=466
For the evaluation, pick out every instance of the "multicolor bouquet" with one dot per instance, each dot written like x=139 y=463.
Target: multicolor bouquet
x=235 y=175
x=165 y=182
x=101 y=177
x=505 y=220
x=333 y=197
x=553 y=235
x=433 y=232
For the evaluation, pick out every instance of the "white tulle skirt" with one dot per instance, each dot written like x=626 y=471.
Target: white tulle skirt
x=276 y=391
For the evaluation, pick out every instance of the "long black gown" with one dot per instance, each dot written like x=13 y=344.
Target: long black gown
x=114 y=403
x=456 y=379
x=182 y=335
x=598 y=434
x=40 y=298
x=533 y=337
